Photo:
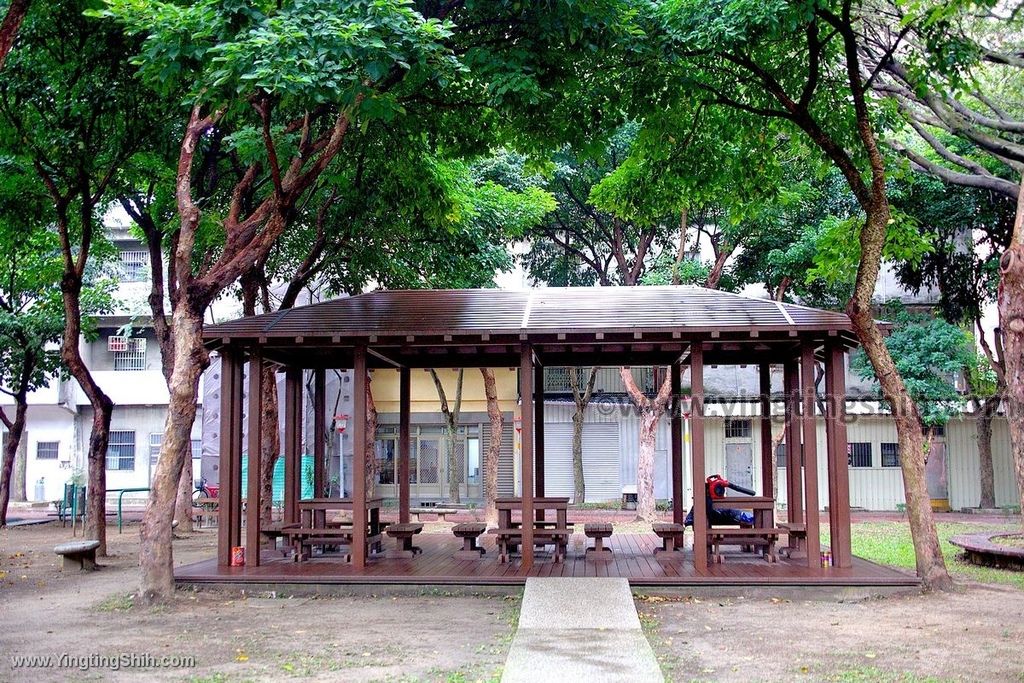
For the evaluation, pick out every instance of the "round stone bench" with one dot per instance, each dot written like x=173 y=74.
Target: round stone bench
x=981 y=549
x=403 y=533
x=598 y=531
x=78 y=554
x=469 y=532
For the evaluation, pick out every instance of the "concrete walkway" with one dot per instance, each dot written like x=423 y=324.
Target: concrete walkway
x=584 y=629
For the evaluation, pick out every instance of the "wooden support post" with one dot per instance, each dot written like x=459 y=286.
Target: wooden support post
x=526 y=377
x=700 y=512
x=404 y=442
x=678 y=509
x=794 y=458
x=838 y=462
x=538 y=433
x=252 y=504
x=767 y=471
x=359 y=454
x=810 y=423
x=319 y=433
x=230 y=458
x=292 y=444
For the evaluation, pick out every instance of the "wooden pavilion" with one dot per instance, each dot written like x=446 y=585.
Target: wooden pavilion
x=675 y=327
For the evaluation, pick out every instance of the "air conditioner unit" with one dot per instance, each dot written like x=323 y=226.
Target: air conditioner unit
x=115 y=344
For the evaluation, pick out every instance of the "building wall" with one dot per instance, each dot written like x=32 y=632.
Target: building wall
x=872 y=488
x=423 y=392
x=964 y=485
x=49 y=424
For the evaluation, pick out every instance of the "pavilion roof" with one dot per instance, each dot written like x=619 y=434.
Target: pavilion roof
x=455 y=318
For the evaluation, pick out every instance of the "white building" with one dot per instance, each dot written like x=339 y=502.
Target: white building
x=125 y=361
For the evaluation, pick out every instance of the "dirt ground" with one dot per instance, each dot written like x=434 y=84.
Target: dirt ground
x=423 y=636
x=973 y=634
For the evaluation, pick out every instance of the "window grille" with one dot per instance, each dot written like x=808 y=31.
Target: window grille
x=129 y=352
x=737 y=429
x=47 y=450
x=155 y=441
x=134 y=266
x=890 y=455
x=121 y=451
x=859 y=454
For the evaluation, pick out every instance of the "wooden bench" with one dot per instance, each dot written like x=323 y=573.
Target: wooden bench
x=303 y=539
x=598 y=531
x=510 y=539
x=469 y=532
x=671 y=536
x=78 y=554
x=743 y=537
x=797 y=534
x=440 y=512
x=403 y=533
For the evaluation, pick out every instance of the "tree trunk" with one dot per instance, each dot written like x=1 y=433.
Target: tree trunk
x=493 y=447
x=986 y=412
x=651 y=411
x=451 y=419
x=183 y=501
x=19 y=490
x=102 y=406
x=645 y=502
x=1011 y=321
x=680 y=248
x=718 y=269
x=931 y=566
x=581 y=397
x=156 y=560
x=16 y=12
x=96 y=508
x=15 y=435
x=579 y=482
x=271 y=443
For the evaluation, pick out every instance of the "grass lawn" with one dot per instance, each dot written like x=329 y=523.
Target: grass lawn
x=889 y=543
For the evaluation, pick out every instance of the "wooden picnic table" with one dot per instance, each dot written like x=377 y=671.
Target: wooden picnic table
x=545 y=532
x=763 y=533
x=314 y=528
x=313 y=512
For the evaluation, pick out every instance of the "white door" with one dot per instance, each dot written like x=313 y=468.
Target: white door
x=739 y=464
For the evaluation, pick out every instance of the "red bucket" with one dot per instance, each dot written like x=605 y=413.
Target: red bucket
x=238 y=556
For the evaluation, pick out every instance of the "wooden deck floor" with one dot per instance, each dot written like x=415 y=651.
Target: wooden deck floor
x=633 y=553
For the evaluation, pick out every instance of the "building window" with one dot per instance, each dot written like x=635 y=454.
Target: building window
x=121 y=451
x=780 y=455
x=155 y=441
x=737 y=429
x=859 y=454
x=938 y=431
x=129 y=352
x=386 y=460
x=197 y=449
x=134 y=266
x=473 y=460
x=557 y=380
x=890 y=455
x=47 y=450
